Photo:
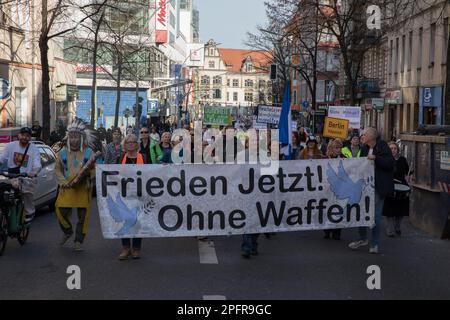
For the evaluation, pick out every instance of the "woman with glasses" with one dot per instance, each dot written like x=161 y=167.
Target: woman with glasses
x=131 y=247
x=145 y=144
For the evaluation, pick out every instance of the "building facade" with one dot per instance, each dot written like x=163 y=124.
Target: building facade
x=21 y=70
x=416 y=69
x=234 y=77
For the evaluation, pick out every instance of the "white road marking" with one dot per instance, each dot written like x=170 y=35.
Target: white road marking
x=214 y=298
x=207 y=252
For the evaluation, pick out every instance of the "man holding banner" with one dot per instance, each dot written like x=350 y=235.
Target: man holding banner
x=378 y=151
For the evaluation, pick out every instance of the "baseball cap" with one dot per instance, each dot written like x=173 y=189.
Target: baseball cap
x=26 y=130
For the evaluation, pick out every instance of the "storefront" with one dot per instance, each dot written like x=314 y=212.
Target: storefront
x=393 y=110
x=65 y=98
x=371 y=109
x=430 y=105
x=410 y=114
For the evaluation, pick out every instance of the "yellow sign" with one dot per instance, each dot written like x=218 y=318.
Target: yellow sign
x=336 y=128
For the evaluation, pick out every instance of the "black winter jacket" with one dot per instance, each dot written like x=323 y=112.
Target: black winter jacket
x=384 y=167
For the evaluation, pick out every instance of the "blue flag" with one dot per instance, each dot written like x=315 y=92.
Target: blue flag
x=284 y=126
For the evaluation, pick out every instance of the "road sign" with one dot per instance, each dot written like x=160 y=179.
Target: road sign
x=152 y=106
x=336 y=128
x=5 y=90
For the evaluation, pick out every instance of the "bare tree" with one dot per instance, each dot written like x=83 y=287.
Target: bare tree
x=296 y=34
x=57 y=19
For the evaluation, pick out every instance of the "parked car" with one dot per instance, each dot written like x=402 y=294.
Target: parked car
x=47 y=190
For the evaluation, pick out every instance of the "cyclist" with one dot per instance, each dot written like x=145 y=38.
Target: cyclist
x=23 y=157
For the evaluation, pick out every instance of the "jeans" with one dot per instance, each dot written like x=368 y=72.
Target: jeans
x=137 y=243
x=249 y=243
x=376 y=230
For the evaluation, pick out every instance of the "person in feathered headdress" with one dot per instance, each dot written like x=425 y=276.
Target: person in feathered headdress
x=74 y=169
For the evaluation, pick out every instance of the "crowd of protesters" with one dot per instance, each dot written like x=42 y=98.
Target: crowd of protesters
x=154 y=145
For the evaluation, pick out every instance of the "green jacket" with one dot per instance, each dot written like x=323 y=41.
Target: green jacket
x=347 y=152
x=155 y=151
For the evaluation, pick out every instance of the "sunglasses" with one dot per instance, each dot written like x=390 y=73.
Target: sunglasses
x=142 y=132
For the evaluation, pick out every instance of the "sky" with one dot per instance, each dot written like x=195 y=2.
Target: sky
x=227 y=21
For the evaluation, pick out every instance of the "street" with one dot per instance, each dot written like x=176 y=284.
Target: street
x=294 y=265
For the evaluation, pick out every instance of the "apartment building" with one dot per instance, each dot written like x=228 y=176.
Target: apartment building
x=416 y=68
x=234 y=77
x=21 y=70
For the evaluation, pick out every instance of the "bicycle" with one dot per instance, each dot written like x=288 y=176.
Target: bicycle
x=12 y=222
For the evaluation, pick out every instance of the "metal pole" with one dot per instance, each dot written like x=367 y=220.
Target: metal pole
x=177 y=98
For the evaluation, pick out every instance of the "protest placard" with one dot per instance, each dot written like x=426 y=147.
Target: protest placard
x=269 y=114
x=217 y=116
x=335 y=128
x=352 y=114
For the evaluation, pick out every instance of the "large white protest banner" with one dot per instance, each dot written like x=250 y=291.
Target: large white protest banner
x=193 y=200
x=352 y=114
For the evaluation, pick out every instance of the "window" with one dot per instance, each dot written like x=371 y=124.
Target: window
x=172 y=20
x=211 y=52
x=217 y=80
x=185 y=4
x=235 y=83
x=212 y=64
x=402 y=66
x=391 y=56
x=217 y=94
x=235 y=96
x=419 y=55
x=444 y=47
x=228 y=96
x=248 y=67
x=132 y=17
x=171 y=38
x=262 y=83
x=45 y=158
x=432 y=43
x=20 y=104
x=397 y=45
x=205 y=80
x=295 y=97
x=249 y=83
x=228 y=82
x=248 y=97
x=50 y=154
x=410 y=49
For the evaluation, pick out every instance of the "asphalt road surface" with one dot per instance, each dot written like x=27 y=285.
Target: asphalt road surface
x=294 y=265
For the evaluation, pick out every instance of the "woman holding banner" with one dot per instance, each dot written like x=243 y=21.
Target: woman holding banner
x=334 y=152
x=131 y=156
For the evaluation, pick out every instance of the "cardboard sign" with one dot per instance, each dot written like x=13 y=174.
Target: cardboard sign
x=353 y=114
x=217 y=116
x=269 y=114
x=336 y=128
